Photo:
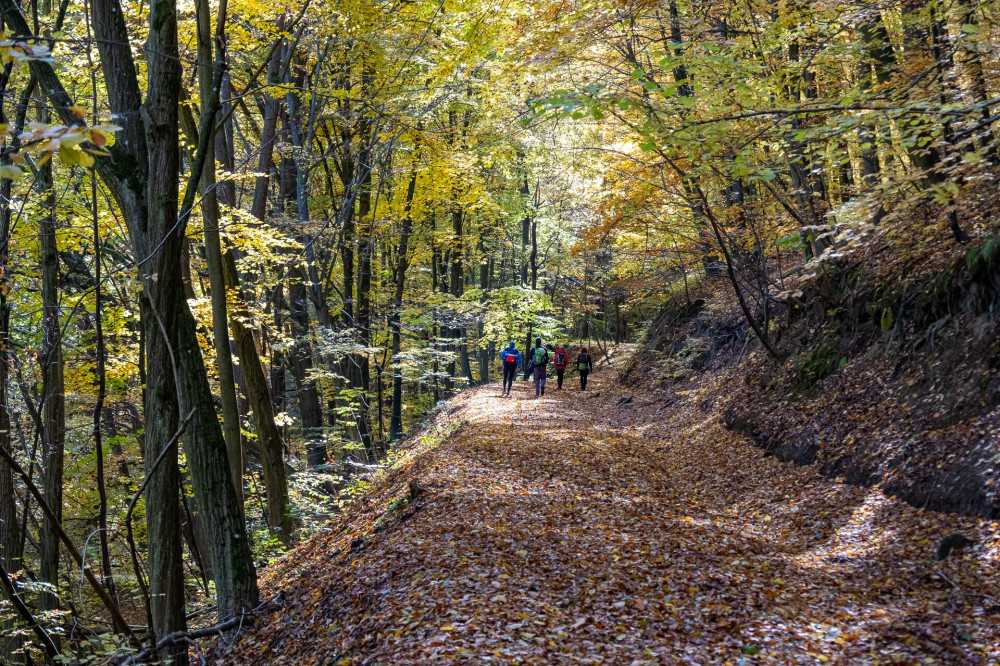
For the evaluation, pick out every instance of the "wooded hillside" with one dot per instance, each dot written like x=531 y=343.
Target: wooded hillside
x=246 y=247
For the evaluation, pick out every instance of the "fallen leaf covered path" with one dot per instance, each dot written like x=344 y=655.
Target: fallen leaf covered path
x=583 y=528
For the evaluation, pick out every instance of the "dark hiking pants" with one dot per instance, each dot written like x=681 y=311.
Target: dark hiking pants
x=583 y=379
x=509 y=372
x=559 y=375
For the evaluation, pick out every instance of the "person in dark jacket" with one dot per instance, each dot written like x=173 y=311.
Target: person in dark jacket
x=584 y=364
x=511 y=359
x=559 y=361
x=539 y=358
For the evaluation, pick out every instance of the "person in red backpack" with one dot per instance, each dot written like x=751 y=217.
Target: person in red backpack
x=511 y=359
x=560 y=363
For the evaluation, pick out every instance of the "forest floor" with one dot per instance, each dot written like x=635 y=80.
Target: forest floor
x=584 y=528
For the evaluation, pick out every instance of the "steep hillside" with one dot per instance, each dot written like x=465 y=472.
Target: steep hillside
x=882 y=381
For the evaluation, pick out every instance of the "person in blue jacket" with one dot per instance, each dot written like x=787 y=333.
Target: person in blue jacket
x=511 y=359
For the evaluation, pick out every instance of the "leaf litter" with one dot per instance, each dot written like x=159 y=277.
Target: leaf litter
x=578 y=528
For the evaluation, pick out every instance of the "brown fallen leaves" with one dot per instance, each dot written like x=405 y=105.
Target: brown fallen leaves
x=577 y=530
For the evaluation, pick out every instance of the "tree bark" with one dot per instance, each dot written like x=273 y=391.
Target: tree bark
x=164 y=297
x=53 y=389
x=362 y=363
x=10 y=538
x=402 y=263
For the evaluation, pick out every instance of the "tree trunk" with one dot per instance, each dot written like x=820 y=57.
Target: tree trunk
x=163 y=290
x=302 y=364
x=402 y=263
x=268 y=435
x=10 y=538
x=364 y=315
x=213 y=258
x=526 y=221
x=53 y=390
x=265 y=164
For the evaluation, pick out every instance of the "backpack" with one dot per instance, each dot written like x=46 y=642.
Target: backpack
x=510 y=356
x=541 y=356
x=583 y=363
x=560 y=359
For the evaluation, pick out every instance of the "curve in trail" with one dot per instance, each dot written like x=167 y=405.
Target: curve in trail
x=579 y=529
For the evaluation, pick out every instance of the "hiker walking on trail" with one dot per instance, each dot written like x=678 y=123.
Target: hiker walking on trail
x=511 y=359
x=584 y=365
x=540 y=359
x=560 y=362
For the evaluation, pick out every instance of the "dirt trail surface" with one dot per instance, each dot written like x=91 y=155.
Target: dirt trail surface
x=583 y=528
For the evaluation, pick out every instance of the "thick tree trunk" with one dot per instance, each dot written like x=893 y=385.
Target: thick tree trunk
x=205 y=449
x=164 y=297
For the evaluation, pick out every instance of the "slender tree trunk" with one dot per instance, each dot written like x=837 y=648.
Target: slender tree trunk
x=268 y=436
x=526 y=221
x=533 y=259
x=10 y=537
x=213 y=258
x=402 y=263
x=53 y=390
x=100 y=355
x=361 y=360
x=269 y=439
x=265 y=164
x=310 y=410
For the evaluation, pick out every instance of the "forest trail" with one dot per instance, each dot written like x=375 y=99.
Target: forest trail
x=581 y=528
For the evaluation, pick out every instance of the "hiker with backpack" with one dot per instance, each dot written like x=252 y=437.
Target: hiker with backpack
x=511 y=359
x=584 y=364
x=540 y=358
x=560 y=362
